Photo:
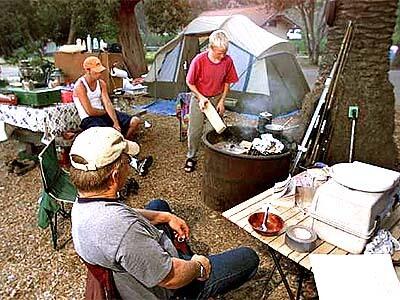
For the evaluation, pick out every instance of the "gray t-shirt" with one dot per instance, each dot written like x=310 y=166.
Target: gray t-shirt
x=115 y=236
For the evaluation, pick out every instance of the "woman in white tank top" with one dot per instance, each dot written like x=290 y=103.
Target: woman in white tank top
x=95 y=108
x=93 y=96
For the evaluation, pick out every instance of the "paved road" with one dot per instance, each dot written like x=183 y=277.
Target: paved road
x=394 y=77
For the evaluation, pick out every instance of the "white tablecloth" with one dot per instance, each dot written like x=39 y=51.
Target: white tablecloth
x=51 y=120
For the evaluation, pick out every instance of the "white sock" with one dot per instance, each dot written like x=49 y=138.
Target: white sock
x=134 y=163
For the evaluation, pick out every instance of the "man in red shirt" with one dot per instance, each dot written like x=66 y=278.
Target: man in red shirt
x=209 y=76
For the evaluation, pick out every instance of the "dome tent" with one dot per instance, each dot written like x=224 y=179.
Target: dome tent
x=270 y=78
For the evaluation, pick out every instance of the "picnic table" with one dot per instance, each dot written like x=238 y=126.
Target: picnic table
x=51 y=120
x=292 y=216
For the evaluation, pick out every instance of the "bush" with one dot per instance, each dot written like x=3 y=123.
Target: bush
x=150 y=57
x=153 y=39
x=300 y=46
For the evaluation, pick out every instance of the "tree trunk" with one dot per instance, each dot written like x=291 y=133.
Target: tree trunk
x=131 y=42
x=364 y=82
x=72 y=30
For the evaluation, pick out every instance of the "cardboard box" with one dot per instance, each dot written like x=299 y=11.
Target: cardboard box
x=71 y=66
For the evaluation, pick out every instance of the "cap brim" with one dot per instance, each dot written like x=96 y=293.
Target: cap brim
x=132 y=148
x=99 y=69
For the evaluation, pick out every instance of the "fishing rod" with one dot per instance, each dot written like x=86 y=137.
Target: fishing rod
x=318 y=115
x=325 y=127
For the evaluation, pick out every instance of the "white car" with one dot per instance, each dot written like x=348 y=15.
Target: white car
x=294 y=34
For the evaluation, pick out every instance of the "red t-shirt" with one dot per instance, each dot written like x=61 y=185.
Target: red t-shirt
x=208 y=77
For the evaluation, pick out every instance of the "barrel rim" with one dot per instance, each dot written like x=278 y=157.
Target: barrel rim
x=244 y=156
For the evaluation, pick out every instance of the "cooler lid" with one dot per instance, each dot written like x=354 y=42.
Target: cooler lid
x=364 y=177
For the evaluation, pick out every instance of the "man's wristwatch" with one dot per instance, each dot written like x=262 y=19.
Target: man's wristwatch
x=202 y=270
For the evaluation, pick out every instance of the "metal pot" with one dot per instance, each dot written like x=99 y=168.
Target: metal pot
x=264 y=118
x=274 y=129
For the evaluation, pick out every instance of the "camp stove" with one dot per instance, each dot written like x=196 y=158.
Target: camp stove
x=349 y=208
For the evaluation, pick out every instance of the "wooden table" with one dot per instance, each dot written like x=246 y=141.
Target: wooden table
x=291 y=216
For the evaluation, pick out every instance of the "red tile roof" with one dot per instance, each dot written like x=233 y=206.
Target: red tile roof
x=258 y=14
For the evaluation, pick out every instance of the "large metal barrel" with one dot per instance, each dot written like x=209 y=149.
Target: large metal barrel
x=229 y=179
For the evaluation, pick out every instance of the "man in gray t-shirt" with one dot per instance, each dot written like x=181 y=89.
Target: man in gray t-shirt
x=143 y=258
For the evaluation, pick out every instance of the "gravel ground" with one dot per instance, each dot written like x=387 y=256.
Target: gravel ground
x=31 y=269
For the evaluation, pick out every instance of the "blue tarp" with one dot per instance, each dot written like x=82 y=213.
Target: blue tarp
x=160 y=107
x=168 y=108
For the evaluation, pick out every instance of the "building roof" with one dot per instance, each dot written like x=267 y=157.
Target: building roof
x=259 y=14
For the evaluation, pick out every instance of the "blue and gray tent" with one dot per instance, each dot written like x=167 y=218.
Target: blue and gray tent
x=270 y=77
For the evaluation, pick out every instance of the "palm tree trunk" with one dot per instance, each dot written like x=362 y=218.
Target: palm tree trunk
x=365 y=83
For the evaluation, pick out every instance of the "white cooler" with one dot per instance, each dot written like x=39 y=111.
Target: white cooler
x=348 y=209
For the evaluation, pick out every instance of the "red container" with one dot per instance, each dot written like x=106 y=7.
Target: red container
x=66 y=96
x=9 y=99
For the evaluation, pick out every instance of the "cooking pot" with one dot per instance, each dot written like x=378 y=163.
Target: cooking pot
x=264 y=118
x=274 y=129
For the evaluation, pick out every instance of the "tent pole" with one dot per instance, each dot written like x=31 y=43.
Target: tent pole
x=155 y=79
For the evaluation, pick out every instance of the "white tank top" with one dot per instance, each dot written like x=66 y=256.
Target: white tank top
x=93 y=96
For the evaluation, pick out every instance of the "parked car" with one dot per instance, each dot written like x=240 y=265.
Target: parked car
x=294 y=34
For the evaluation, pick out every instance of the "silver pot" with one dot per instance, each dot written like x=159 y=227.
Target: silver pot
x=274 y=129
x=264 y=118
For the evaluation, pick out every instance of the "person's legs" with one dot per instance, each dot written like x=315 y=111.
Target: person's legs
x=134 y=128
x=129 y=125
x=195 y=130
x=101 y=121
x=158 y=205
x=229 y=271
x=182 y=247
x=161 y=205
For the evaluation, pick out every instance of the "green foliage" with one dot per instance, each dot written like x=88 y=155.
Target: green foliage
x=15 y=23
x=300 y=45
x=150 y=55
x=158 y=40
x=167 y=16
x=37 y=21
x=31 y=23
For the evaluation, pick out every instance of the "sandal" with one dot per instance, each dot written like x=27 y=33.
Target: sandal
x=190 y=165
x=24 y=166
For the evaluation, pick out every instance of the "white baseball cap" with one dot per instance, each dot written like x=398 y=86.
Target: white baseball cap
x=99 y=147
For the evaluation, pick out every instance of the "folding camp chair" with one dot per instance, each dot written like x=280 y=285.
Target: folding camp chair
x=58 y=191
x=100 y=283
x=182 y=113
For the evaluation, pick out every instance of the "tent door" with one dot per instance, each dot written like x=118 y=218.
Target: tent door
x=189 y=50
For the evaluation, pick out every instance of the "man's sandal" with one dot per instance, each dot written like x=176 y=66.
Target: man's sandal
x=190 y=165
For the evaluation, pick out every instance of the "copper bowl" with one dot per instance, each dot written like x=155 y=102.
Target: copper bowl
x=274 y=223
